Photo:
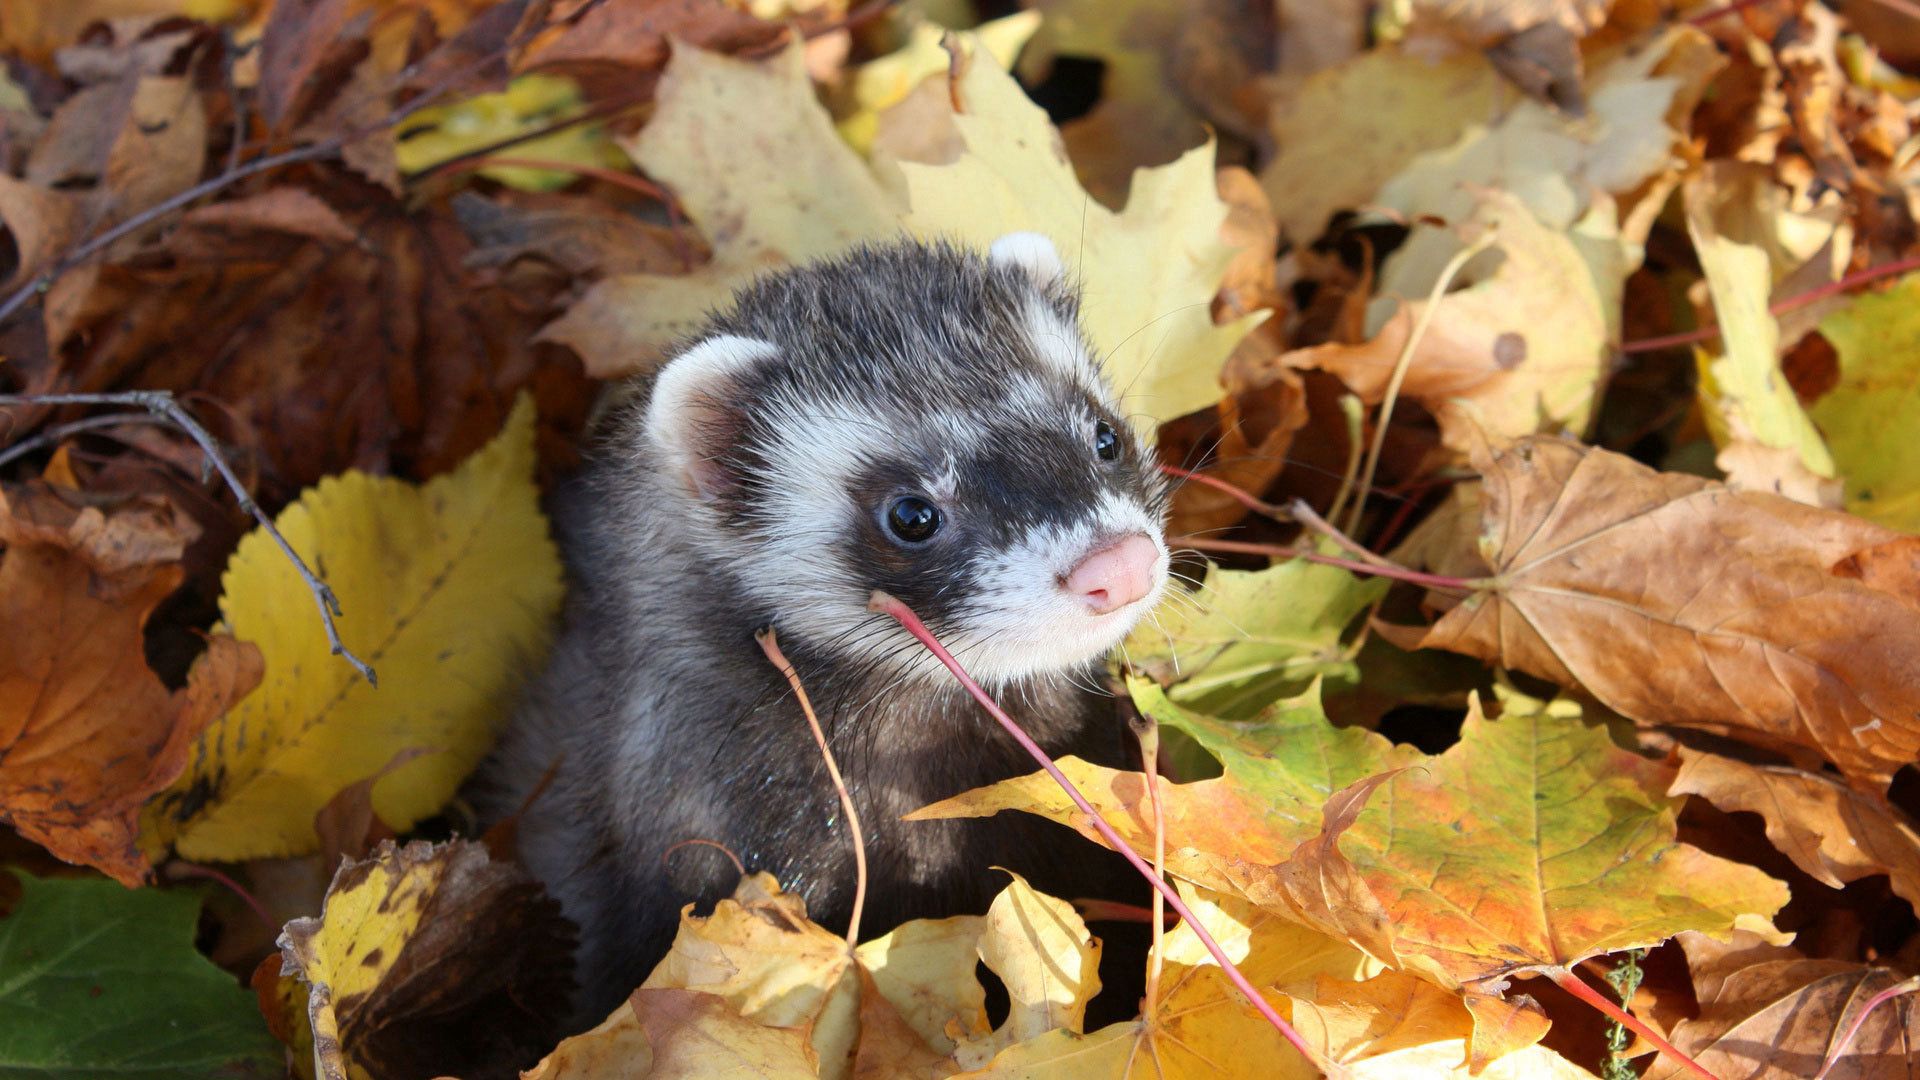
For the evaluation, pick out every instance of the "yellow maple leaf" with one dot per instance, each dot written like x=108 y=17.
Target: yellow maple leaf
x=881 y=83
x=757 y=165
x=448 y=590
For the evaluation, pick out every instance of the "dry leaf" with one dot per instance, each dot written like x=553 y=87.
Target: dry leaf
x=1677 y=601
x=87 y=731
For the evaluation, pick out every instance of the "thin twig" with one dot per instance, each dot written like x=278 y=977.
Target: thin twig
x=162 y=404
x=900 y=612
x=1304 y=514
x=770 y=644
x=1400 y=367
x=1573 y=984
x=1239 y=494
x=1282 y=551
x=195 y=870
x=1874 y=1002
x=1354 y=412
x=1791 y=303
x=54 y=435
x=1147 y=730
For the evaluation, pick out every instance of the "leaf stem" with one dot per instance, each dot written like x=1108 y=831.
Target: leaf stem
x=162 y=405
x=770 y=644
x=1239 y=494
x=1572 y=984
x=1390 y=570
x=1791 y=303
x=904 y=615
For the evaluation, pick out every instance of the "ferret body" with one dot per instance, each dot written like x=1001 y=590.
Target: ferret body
x=913 y=418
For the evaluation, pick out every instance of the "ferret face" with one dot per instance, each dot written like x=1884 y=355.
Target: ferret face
x=928 y=422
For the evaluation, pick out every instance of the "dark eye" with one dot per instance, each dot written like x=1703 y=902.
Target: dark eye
x=1106 y=441
x=913 y=519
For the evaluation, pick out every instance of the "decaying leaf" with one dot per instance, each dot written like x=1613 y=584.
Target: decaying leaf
x=663 y=1034
x=1612 y=577
x=87 y=731
x=104 y=981
x=428 y=959
x=447 y=590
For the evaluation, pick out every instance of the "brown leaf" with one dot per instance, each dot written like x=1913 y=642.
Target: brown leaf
x=127 y=144
x=87 y=731
x=1829 y=830
x=42 y=223
x=1767 y=1013
x=618 y=39
x=1678 y=601
x=347 y=825
x=351 y=338
x=428 y=959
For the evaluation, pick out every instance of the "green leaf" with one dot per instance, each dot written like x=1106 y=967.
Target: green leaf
x=1248 y=638
x=98 y=980
x=1871 y=415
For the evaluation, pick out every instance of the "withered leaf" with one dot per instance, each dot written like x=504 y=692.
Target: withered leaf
x=87 y=731
x=428 y=959
x=344 y=330
x=1675 y=600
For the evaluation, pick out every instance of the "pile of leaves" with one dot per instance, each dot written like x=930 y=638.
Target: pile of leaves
x=1543 y=378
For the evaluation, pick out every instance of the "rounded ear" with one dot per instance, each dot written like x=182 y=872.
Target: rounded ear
x=1032 y=254
x=692 y=416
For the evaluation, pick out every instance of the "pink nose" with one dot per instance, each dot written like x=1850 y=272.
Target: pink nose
x=1115 y=576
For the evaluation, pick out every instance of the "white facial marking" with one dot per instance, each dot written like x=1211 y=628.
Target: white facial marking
x=1022 y=622
x=1060 y=346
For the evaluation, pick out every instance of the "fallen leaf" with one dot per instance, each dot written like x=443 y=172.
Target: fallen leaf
x=885 y=81
x=1877 y=337
x=1743 y=394
x=737 y=140
x=1521 y=349
x=1393 y=107
x=1616 y=579
x=105 y=981
x=427 y=959
x=447 y=589
x=757 y=166
x=88 y=733
x=758 y=952
x=679 y=1035
x=347 y=335
x=1476 y=865
x=1245 y=638
x=443 y=132
x=1162 y=64
x=1829 y=830
x=1780 y=1014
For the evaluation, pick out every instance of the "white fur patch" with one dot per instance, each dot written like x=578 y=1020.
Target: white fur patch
x=1060 y=346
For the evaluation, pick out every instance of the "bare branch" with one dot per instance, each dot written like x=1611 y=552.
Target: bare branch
x=162 y=405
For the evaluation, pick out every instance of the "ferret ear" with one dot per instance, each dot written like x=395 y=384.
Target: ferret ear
x=692 y=418
x=1032 y=254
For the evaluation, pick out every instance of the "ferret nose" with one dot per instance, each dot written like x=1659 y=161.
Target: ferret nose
x=1115 y=576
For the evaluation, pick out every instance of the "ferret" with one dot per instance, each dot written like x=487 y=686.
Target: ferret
x=912 y=417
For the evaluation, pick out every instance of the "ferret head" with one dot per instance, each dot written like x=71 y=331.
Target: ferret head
x=927 y=421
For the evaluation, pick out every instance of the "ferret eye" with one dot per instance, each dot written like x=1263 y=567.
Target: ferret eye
x=913 y=519
x=1106 y=441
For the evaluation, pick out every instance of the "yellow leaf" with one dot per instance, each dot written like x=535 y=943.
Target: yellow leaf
x=1149 y=272
x=758 y=167
x=758 y=952
x=414 y=946
x=448 y=590
x=679 y=1035
x=1743 y=393
x=881 y=83
x=443 y=132
x=1871 y=414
